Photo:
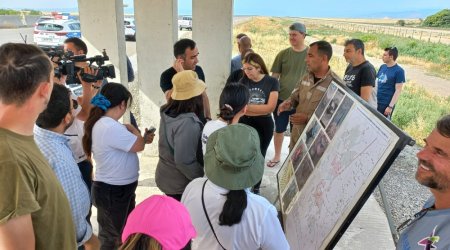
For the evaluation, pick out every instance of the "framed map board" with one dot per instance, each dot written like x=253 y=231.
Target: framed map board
x=341 y=156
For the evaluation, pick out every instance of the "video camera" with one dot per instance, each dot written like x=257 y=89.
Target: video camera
x=65 y=62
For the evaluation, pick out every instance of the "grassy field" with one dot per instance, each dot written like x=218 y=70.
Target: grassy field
x=434 y=57
x=416 y=111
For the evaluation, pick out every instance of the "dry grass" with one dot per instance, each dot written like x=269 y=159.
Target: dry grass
x=416 y=111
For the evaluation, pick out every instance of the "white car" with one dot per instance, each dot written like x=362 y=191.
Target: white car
x=53 y=33
x=185 y=23
x=130 y=29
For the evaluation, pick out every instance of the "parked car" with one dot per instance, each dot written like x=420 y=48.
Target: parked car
x=53 y=33
x=185 y=22
x=130 y=29
x=43 y=18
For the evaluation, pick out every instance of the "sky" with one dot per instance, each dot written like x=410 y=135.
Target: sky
x=291 y=8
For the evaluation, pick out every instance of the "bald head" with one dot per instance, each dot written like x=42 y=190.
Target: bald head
x=244 y=43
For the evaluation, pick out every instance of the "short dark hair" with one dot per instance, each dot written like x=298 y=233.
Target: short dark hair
x=357 y=43
x=443 y=126
x=179 y=48
x=392 y=52
x=22 y=68
x=57 y=108
x=240 y=35
x=78 y=43
x=324 y=48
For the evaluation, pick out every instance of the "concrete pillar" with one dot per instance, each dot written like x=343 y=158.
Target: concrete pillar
x=102 y=28
x=156 y=32
x=212 y=27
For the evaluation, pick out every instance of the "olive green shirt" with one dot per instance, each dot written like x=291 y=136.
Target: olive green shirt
x=306 y=97
x=291 y=66
x=29 y=186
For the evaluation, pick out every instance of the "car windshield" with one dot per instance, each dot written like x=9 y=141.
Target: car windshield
x=49 y=27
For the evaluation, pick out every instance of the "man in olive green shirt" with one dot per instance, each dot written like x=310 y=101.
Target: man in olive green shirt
x=34 y=211
x=289 y=66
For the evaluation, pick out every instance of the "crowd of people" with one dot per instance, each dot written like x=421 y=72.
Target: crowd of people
x=210 y=171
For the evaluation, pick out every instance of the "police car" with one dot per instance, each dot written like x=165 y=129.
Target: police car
x=53 y=33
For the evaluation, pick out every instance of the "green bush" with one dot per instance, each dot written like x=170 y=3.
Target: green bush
x=9 y=12
x=401 y=22
x=440 y=19
x=417 y=111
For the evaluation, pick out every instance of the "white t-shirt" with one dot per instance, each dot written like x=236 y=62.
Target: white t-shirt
x=209 y=128
x=75 y=135
x=111 y=142
x=259 y=227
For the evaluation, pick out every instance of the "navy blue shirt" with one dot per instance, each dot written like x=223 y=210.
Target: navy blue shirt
x=387 y=77
x=166 y=77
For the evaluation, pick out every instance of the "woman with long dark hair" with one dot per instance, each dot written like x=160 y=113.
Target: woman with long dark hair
x=233 y=105
x=180 y=152
x=225 y=214
x=263 y=100
x=114 y=147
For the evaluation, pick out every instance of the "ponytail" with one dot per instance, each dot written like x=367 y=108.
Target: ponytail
x=95 y=114
x=234 y=207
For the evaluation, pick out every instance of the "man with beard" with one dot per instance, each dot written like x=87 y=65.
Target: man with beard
x=430 y=228
x=310 y=89
x=50 y=138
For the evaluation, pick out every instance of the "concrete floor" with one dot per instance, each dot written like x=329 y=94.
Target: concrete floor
x=369 y=230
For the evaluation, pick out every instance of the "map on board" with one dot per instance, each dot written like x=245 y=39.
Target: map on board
x=341 y=150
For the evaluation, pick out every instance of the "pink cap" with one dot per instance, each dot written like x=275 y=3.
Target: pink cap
x=164 y=219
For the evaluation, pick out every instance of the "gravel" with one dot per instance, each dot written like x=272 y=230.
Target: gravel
x=404 y=194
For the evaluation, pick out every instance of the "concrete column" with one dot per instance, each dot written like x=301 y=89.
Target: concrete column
x=156 y=32
x=102 y=28
x=212 y=27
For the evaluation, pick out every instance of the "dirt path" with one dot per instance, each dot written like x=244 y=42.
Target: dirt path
x=435 y=85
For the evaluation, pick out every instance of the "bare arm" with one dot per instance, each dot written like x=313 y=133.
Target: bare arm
x=276 y=75
x=366 y=92
x=88 y=92
x=93 y=243
x=264 y=109
x=17 y=233
x=139 y=144
x=398 y=91
x=206 y=107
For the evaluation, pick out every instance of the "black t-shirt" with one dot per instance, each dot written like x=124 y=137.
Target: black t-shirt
x=166 y=77
x=260 y=91
x=360 y=76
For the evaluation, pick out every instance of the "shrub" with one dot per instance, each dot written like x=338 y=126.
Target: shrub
x=401 y=22
x=440 y=19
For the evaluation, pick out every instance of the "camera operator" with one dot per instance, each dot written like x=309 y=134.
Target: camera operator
x=78 y=47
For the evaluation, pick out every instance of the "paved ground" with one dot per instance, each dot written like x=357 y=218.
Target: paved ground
x=370 y=225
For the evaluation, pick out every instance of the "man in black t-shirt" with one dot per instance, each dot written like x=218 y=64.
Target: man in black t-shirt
x=360 y=74
x=186 y=58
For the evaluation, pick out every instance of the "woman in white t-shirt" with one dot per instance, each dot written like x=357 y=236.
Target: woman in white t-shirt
x=114 y=147
x=233 y=105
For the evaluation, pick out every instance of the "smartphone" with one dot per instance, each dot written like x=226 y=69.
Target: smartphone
x=151 y=130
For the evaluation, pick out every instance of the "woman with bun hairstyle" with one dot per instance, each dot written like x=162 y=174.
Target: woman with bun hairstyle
x=233 y=105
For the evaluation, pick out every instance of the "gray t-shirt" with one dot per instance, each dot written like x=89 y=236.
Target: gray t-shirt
x=429 y=230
